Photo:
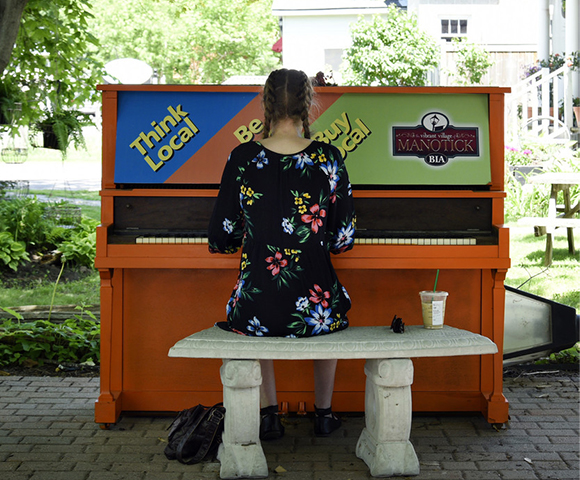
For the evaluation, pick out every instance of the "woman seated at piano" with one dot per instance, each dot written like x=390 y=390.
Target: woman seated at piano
x=287 y=201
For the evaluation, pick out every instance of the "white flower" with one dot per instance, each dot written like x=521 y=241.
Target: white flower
x=331 y=170
x=287 y=226
x=228 y=226
x=255 y=327
x=302 y=304
x=302 y=160
x=345 y=236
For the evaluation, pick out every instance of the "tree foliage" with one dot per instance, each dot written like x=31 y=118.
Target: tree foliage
x=57 y=59
x=471 y=64
x=203 y=41
x=53 y=66
x=390 y=51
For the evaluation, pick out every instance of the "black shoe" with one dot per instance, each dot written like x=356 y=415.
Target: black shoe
x=271 y=427
x=325 y=422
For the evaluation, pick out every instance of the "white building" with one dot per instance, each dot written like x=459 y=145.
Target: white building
x=316 y=32
x=515 y=32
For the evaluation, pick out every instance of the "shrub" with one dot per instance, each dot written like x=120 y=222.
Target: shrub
x=24 y=218
x=515 y=156
x=532 y=199
x=391 y=51
x=472 y=62
x=75 y=340
x=553 y=63
x=31 y=225
x=525 y=200
x=81 y=246
x=12 y=253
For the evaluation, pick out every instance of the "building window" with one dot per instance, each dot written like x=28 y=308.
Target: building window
x=453 y=28
x=333 y=58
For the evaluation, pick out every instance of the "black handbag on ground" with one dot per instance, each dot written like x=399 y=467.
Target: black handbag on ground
x=195 y=433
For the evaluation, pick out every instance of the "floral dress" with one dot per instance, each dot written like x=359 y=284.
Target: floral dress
x=288 y=213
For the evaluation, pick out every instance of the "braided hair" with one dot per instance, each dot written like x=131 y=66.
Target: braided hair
x=287 y=94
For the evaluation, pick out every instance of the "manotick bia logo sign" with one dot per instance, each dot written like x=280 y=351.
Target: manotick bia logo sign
x=435 y=140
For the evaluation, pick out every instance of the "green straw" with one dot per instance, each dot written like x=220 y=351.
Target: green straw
x=436 y=278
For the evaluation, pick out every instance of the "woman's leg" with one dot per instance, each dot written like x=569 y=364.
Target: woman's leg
x=324 y=371
x=271 y=427
x=268 y=395
x=325 y=422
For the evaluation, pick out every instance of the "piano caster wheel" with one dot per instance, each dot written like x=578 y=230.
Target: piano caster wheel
x=105 y=426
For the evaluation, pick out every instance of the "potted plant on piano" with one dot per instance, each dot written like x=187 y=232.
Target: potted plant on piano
x=61 y=128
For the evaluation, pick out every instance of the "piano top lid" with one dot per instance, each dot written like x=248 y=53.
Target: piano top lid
x=182 y=134
x=338 y=89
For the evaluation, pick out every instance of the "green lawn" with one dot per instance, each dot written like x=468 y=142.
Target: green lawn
x=83 y=292
x=559 y=282
x=72 y=194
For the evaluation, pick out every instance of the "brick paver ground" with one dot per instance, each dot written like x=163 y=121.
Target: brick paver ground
x=47 y=432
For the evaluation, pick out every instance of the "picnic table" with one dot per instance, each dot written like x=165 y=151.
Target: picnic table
x=559 y=216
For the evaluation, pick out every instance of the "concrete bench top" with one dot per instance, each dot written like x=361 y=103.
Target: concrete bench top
x=354 y=342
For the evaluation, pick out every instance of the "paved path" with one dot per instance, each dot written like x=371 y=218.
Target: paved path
x=47 y=432
x=55 y=175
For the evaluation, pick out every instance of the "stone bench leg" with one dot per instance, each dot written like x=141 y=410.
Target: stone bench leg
x=384 y=442
x=241 y=454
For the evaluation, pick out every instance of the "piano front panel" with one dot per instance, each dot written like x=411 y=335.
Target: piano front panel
x=161 y=304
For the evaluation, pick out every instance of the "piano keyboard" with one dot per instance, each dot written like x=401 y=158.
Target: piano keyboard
x=415 y=241
x=176 y=240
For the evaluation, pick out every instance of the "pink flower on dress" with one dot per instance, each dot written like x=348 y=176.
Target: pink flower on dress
x=319 y=296
x=314 y=218
x=276 y=262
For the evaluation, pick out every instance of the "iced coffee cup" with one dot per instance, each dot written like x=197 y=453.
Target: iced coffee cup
x=433 y=306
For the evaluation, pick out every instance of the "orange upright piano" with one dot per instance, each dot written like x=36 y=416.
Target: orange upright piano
x=427 y=169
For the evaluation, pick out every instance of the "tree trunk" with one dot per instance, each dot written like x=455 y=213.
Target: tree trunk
x=10 y=15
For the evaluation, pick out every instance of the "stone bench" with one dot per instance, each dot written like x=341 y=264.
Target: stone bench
x=384 y=442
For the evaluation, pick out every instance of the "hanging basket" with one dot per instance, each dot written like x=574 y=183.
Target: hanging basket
x=14 y=155
x=49 y=139
x=65 y=215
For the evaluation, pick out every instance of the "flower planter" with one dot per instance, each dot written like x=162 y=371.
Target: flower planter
x=522 y=172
